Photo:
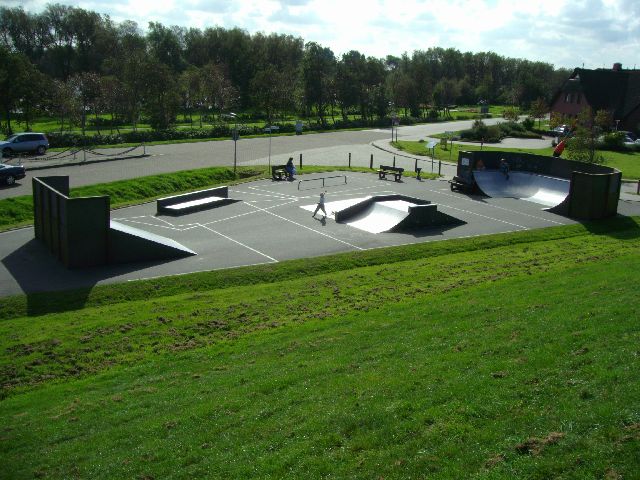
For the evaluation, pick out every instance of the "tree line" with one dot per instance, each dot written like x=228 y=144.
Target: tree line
x=80 y=66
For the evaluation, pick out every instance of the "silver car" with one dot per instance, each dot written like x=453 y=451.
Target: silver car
x=24 y=143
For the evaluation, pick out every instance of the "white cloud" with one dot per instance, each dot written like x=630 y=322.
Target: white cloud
x=565 y=33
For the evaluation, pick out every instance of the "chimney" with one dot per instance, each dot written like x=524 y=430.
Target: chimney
x=617 y=67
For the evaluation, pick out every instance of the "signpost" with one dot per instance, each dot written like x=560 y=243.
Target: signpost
x=431 y=146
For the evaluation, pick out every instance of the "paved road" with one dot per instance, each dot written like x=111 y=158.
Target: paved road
x=321 y=149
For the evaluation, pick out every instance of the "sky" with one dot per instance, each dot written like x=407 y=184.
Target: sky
x=565 y=33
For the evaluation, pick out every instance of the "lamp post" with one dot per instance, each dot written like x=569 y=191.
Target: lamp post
x=269 y=129
x=392 y=115
x=235 y=140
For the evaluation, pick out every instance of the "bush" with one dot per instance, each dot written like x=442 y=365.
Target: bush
x=106 y=122
x=528 y=123
x=613 y=141
x=480 y=132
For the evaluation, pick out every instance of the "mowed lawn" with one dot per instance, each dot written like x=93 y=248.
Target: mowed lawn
x=509 y=356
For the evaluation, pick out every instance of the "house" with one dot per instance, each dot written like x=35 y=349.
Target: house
x=615 y=90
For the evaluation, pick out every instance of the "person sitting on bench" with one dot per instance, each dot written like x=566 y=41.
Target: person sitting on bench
x=290 y=169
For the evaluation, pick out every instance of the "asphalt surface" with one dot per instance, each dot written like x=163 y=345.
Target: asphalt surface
x=269 y=224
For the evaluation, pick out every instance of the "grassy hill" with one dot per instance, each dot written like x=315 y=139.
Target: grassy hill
x=505 y=356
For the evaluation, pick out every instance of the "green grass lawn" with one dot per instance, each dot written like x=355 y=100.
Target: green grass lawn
x=505 y=356
x=627 y=162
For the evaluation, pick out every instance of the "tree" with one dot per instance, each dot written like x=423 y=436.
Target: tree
x=539 y=109
x=582 y=146
x=190 y=91
x=318 y=71
x=159 y=94
x=86 y=89
x=445 y=93
x=63 y=102
x=166 y=45
x=350 y=82
x=272 y=91
x=20 y=84
x=405 y=95
x=113 y=99
x=33 y=94
x=556 y=119
x=510 y=114
x=217 y=93
x=603 y=120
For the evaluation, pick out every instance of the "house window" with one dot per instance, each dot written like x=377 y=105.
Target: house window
x=578 y=98
x=568 y=98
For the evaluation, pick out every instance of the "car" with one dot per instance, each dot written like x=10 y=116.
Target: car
x=10 y=173
x=630 y=139
x=561 y=130
x=24 y=143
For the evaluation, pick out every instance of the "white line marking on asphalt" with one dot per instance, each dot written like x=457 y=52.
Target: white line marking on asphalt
x=271 y=192
x=351 y=191
x=253 y=212
x=273 y=260
x=308 y=228
x=483 y=216
x=497 y=207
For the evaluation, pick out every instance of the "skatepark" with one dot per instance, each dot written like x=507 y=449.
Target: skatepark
x=271 y=222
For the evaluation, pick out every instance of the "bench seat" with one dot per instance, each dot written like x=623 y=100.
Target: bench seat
x=192 y=201
x=384 y=170
x=192 y=204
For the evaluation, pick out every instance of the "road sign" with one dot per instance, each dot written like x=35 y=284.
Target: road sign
x=432 y=144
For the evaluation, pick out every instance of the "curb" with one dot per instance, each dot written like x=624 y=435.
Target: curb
x=85 y=162
x=399 y=153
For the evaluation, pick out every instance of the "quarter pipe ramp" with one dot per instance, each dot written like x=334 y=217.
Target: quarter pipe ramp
x=392 y=213
x=541 y=189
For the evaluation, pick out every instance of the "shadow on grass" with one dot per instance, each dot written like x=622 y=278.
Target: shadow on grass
x=619 y=227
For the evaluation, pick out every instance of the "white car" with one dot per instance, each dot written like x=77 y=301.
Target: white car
x=630 y=139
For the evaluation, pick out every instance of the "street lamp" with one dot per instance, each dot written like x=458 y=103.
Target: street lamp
x=392 y=115
x=269 y=129
x=235 y=140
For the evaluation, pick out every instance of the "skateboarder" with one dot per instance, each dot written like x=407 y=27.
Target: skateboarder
x=504 y=168
x=320 y=205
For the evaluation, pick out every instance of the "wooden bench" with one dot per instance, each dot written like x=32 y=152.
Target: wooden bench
x=193 y=201
x=385 y=170
x=279 y=172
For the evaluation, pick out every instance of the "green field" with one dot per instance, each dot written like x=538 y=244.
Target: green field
x=504 y=356
x=627 y=163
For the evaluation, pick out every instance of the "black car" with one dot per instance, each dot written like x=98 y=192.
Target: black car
x=10 y=173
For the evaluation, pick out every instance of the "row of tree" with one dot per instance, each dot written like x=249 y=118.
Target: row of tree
x=75 y=63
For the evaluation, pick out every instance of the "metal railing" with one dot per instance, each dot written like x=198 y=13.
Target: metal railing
x=324 y=182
